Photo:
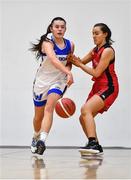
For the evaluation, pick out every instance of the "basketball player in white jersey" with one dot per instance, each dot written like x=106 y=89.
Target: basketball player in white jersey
x=52 y=78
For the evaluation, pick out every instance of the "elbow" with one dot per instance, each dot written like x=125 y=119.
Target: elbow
x=96 y=75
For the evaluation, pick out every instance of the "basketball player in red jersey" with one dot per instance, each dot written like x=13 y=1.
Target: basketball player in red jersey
x=105 y=88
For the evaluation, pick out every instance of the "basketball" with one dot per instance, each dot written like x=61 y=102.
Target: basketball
x=65 y=107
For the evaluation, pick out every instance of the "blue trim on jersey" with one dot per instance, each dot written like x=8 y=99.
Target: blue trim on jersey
x=60 y=52
x=57 y=91
x=39 y=103
x=64 y=51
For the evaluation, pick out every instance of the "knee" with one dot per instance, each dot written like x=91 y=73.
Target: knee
x=85 y=112
x=83 y=115
x=81 y=119
x=48 y=109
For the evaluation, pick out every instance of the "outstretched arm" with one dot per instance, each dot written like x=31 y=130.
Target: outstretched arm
x=73 y=59
x=47 y=47
x=87 y=58
x=106 y=57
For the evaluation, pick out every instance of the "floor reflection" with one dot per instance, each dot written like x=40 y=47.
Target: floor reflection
x=39 y=167
x=19 y=163
x=91 y=163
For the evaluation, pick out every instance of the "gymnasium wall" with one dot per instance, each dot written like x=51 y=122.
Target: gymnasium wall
x=23 y=22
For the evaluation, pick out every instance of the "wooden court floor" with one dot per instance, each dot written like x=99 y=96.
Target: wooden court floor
x=64 y=163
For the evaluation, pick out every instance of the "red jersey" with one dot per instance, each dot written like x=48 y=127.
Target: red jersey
x=108 y=76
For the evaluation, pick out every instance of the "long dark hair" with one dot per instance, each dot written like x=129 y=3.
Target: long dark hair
x=37 y=47
x=105 y=29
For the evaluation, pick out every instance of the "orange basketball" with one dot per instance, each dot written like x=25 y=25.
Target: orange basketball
x=65 y=107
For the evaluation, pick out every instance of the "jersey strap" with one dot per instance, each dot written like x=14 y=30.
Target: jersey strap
x=65 y=51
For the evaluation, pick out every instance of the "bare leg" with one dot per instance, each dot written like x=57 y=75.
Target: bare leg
x=48 y=112
x=39 y=114
x=43 y=122
x=88 y=112
x=84 y=127
x=82 y=122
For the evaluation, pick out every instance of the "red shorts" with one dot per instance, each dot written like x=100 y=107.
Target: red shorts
x=107 y=93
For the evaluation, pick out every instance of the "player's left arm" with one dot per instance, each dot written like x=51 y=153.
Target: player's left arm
x=106 y=57
x=69 y=64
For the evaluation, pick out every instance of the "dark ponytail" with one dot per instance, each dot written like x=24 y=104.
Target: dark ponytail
x=37 y=47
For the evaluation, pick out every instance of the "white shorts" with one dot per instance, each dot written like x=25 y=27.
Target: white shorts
x=40 y=94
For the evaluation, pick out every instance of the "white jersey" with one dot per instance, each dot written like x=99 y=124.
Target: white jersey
x=48 y=78
x=47 y=73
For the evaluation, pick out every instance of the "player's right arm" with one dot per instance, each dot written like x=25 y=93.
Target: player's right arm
x=47 y=47
x=87 y=58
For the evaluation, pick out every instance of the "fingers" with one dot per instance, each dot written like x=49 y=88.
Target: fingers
x=69 y=80
x=69 y=83
x=69 y=57
x=73 y=59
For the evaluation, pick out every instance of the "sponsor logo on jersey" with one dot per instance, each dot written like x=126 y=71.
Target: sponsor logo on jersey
x=62 y=58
